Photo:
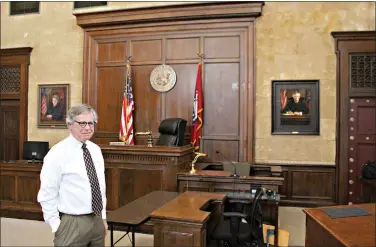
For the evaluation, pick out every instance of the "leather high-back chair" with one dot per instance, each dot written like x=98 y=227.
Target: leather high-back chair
x=171 y=132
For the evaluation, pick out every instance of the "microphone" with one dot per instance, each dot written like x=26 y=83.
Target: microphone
x=235 y=174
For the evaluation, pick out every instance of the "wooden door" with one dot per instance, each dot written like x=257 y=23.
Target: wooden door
x=14 y=64
x=362 y=144
x=356 y=95
x=9 y=129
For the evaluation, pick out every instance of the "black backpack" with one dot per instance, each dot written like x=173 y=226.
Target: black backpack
x=369 y=170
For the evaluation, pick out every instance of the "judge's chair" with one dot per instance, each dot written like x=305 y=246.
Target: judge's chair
x=171 y=132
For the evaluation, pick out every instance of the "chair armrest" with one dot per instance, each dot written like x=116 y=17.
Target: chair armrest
x=234 y=214
x=242 y=201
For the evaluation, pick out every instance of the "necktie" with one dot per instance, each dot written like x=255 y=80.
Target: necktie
x=96 y=197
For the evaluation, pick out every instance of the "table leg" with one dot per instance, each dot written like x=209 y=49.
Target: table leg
x=133 y=238
x=276 y=225
x=112 y=235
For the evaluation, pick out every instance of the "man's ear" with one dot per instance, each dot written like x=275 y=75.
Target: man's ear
x=67 y=122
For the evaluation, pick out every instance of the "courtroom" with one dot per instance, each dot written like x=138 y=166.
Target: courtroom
x=188 y=123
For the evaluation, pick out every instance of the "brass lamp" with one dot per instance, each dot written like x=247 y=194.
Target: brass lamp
x=150 y=138
x=193 y=170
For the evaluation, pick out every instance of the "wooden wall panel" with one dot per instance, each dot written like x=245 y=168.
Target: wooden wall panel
x=187 y=47
x=221 y=106
x=8 y=184
x=111 y=52
x=14 y=101
x=308 y=185
x=315 y=190
x=110 y=88
x=147 y=113
x=222 y=47
x=143 y=182
x=179 y=100
x=227 y=148
x=146 y=50
x=173 y=36
x=27 y=189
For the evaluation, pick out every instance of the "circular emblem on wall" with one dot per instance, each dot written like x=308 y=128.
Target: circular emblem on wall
x=163 y=78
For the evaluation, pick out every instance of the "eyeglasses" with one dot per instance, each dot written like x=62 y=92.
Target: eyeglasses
x=83 y=124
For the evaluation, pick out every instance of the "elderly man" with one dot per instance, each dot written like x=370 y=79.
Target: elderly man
x=72 y=191
x=296 y=105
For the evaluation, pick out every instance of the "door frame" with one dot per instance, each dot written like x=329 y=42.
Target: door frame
x=342 y=40
x=19 y=56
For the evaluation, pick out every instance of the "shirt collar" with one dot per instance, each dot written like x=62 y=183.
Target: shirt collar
x=76 y=142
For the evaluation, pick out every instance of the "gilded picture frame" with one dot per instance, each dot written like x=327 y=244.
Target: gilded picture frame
x=295 y=107
x=53 y=105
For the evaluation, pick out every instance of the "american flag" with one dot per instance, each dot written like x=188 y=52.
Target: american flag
x=126 y=121
x=44 y=102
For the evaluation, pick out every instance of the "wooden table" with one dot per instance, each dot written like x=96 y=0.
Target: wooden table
x=188 y=219
x=322 y=230
x=137 y=212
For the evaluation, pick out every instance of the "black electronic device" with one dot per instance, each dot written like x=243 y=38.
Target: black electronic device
x=235 y=174
x=35 y=151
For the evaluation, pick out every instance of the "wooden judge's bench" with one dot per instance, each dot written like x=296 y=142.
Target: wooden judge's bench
x=134 y=171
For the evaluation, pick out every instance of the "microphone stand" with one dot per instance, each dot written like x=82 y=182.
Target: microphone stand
x=235 y=174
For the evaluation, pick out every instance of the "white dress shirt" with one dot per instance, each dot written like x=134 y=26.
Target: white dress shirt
x=65 y=186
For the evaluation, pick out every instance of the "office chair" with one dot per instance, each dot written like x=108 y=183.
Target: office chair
x=171 y=132
x=233 y=232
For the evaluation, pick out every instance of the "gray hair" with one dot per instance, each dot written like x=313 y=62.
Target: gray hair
x=76 y=110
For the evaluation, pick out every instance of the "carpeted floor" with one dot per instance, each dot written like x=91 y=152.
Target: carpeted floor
x=15 y=232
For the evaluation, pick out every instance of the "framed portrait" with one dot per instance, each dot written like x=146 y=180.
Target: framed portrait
x=295 y=107
x=53 y=105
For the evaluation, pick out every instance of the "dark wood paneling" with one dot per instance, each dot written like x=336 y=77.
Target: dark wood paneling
x=308 y=185
x=134 y=171
x=17 y=57
x=362 y=143
x=175 y=98
x=147 y=50
x=106 y=54
x=346 y=45
x=147 y=101
x=10 y=129
x=110 y=89
x=226 y=40
x=20 y=184
x=27 y=189
x=315 y=190
x=134 y=183
x=188 y=48
x=8 y=185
